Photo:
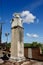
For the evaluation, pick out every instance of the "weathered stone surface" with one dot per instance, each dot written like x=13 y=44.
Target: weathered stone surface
x=1 y=61
x=26 y=63
x=17 y=46
x=22 y=63
x=7 y=63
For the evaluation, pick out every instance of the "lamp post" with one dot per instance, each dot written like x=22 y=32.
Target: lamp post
x=6 y=34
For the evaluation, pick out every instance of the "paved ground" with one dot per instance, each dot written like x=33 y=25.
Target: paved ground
x=31 y=62
x=38 y=63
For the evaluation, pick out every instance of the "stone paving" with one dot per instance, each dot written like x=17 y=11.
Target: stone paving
x=31 y=62
x=38 y=63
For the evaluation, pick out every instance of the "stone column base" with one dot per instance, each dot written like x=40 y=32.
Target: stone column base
x=17 y=59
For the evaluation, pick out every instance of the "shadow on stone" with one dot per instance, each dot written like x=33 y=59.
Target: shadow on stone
x=4 y=57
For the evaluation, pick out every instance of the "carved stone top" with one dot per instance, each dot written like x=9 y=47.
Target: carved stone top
x=16 y=15
x=16 y=21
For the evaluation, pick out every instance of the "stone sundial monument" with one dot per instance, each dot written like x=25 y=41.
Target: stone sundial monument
x=17 y=46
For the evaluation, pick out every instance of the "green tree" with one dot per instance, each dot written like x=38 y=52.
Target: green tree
x=34 y=44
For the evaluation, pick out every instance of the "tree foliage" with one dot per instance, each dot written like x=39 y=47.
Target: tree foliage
x=33 y=44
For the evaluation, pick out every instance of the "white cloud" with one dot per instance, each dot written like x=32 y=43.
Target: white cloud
x=29 y=35
x=35 y=36
x=32 y=35
x=28 y=17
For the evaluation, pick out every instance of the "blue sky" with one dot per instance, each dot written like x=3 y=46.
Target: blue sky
x=33 y=31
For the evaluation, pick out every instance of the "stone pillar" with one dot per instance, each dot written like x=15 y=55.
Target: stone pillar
x=17 y=45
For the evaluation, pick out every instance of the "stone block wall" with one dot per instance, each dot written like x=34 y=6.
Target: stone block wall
x=35 y=53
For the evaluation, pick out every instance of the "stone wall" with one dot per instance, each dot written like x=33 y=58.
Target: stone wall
x=35 y=53
x=26 y=52
x=1 y=53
